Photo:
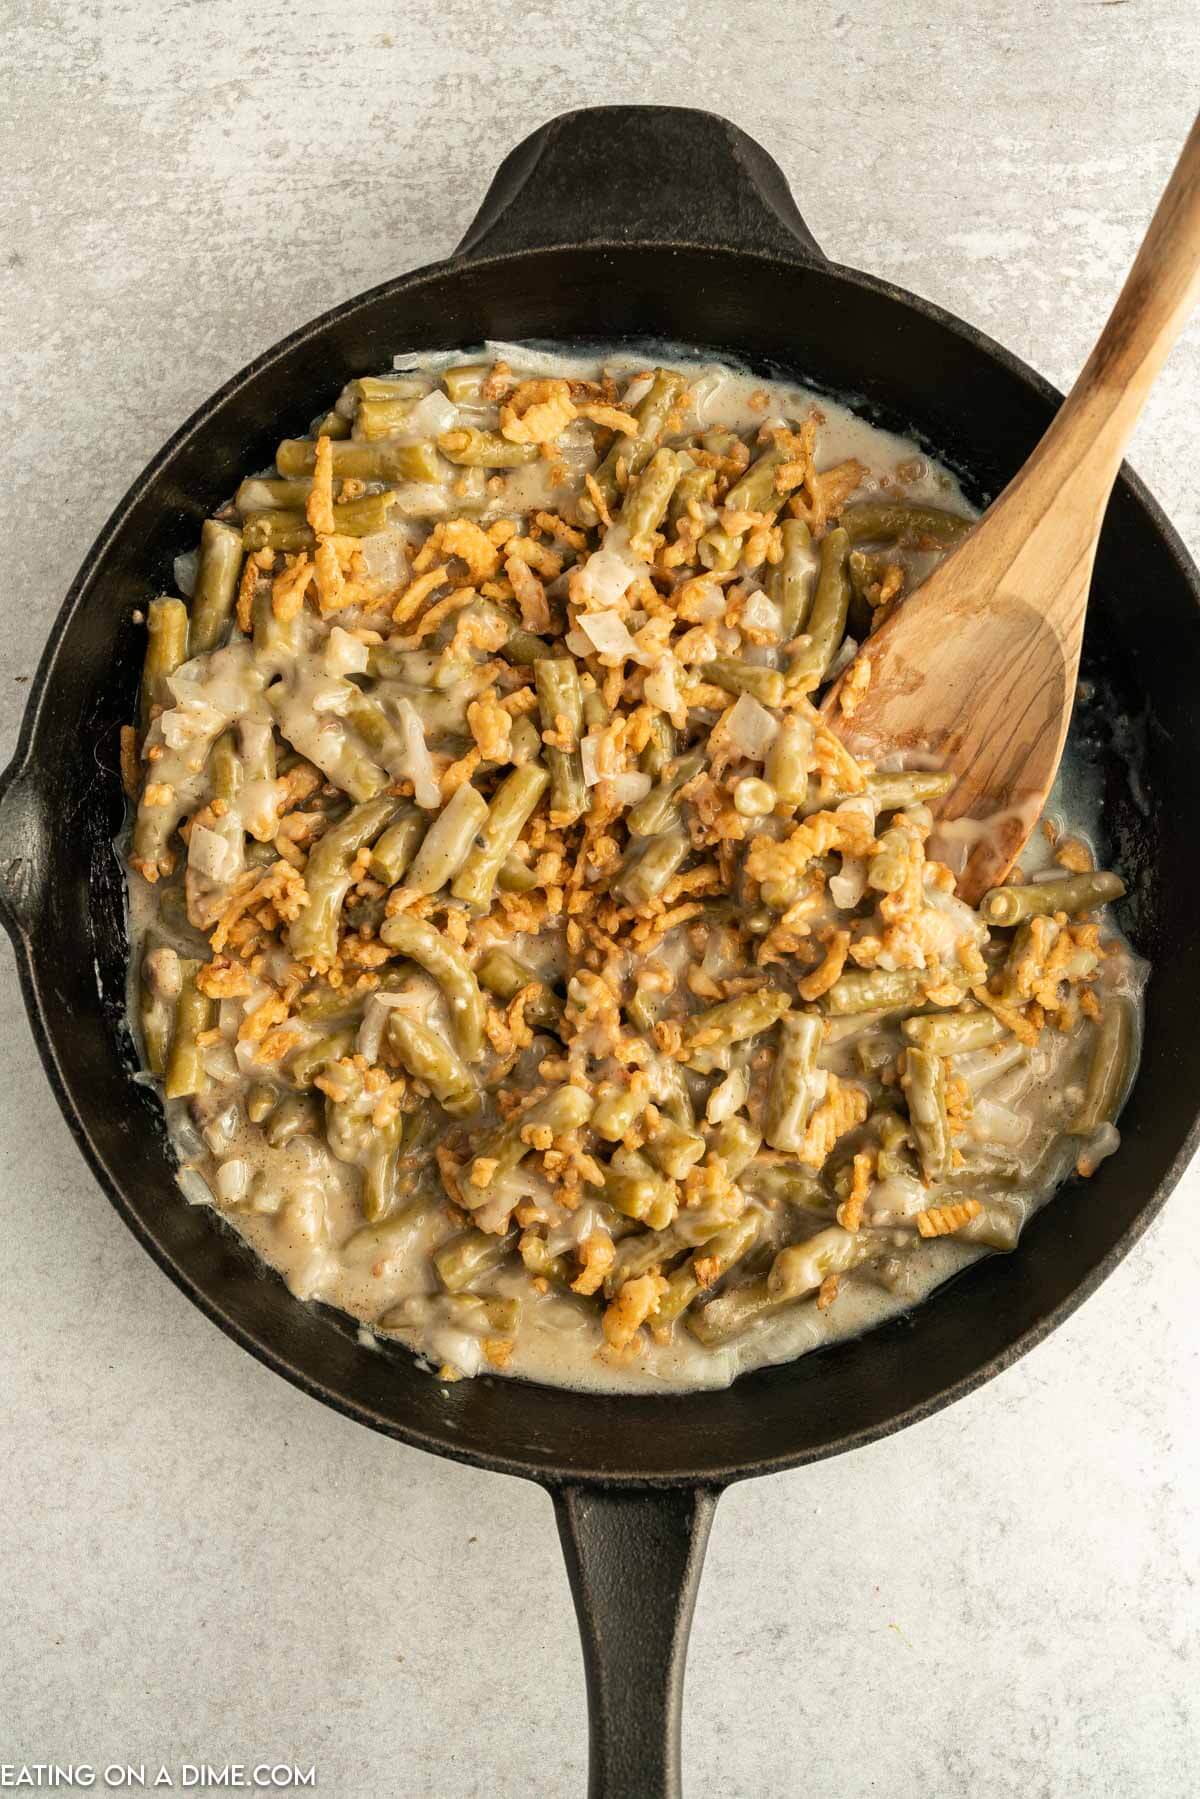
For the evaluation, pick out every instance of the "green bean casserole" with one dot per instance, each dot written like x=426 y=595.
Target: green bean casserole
x=528 y=968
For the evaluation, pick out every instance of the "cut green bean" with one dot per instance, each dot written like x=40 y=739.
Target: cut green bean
x=564 y=1109
x=560 y=704
x=875 y=990
x=470 y=1257
x=1110 y=1067
x=634 y=452
x=291 y=530
x=658 y=811
x=448 y=841
x=924 y=1084
x=360 y=461
x=646 y=502
x=649 y=864
x=469 y=448
x=393 y=853
x=216 y=585
x=707 y=1266
x=706 y=1035
x=296 y=1115
x=446 y=965
x=313 y=934
x=307 y=1063
x=827 y=621
x=265 y=493
x=792 y=580
x=166 y=649
x=503 y=975
x=763 y=684
x=184 y=1072
x=617 y=1110
x=660 y=748
x=954 y=1033
x=511 y=808
x=429 y=1058
x=755 y=492
x=382 y=1191
x=914 y=527
x=796 y=1083
x=1065 y=893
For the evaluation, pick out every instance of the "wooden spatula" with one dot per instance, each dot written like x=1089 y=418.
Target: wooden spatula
x=976 y=671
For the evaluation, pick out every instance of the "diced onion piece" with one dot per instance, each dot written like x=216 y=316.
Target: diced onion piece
x=608 y=634
x=211 y=855
x=194 y=1187
x=848 y=887
x=577 y=643
x=233 y=1177
x=370 y=1031
x=751 y=728
x=418 y=763
x=344 y=654
x=661 y=686
x=588 y=750
x=190 y=722
x=184 y=570
x=386 y=556
x=761 y=613
x=630 y=787
x=706 y=601
x=611 y=570
x=843 y=659
x=432 y=415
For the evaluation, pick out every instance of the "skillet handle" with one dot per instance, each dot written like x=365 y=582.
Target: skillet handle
x=626 y=174
x=634 y=1559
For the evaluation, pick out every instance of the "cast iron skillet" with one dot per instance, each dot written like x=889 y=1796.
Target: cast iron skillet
x=608 y=223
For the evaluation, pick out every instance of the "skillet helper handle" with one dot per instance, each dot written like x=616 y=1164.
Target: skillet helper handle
x=23 y=849
x=634 y=1559
x=627 y=174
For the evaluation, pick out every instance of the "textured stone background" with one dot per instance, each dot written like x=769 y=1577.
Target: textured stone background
x=197 y=1562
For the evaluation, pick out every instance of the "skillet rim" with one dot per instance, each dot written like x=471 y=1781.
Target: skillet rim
x=21 y=772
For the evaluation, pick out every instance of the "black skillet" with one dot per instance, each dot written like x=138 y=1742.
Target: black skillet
x=635 y=222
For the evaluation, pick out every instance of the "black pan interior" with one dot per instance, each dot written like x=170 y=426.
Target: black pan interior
x=908 y=367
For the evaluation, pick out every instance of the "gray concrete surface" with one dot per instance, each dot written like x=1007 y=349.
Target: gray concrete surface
x=197 y=1563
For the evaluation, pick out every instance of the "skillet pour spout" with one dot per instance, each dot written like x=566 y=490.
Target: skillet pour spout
x=635 y=223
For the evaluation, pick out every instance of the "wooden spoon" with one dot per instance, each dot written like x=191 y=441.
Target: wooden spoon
x=976 y=672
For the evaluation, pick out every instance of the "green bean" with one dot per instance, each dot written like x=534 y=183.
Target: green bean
x=924 y=1084
x=913 y=526
x=1110 y=1067
x=495 y=1313
x=447 y=966
x=504 y=976
x=263 y=493
x=719 y=550
x=827 y=620
x=889 y=792
x=381 y=1190
x=674 y=1148
x=296 y=1115
x=463 y=383
x=763 y=684
x=998 y=1226
x=649 y=864
x=795 y=1085
x=393 y=852
x=216 y=585
x=755 y=492
x=736 y=1142
x=360 y=461
x=953 y=1033
x=511 y=808
x=166 y=649
x=429 y=1058
x=617 y=1110
x=788 y=758
x=563 y=1109
x=634 y=1186
x=643 y=1250
x=787 y=1184
x=525 y=741
x=658 y=811
x=651 y=413
x=522 y=647
x=718 y=1256
x=388 y=387
x=225 y=767
x=660 y=748
x=342 y=760
x=470 y=1256
x=516 y=876
x=693 y=489
x=184 y=1072
x=291 y=530
x=276 y=641
x=1065 y=893
x=448 y=841
x=313 y=933
x=308 y=1061
x=706 y=1034
x=159 y=987
x=560 y=705
x=469 y=448
x=875 y=990
x=888 y=867
x=790 y=583
x=374 y=419
x=647 y=498
x=332 y=424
